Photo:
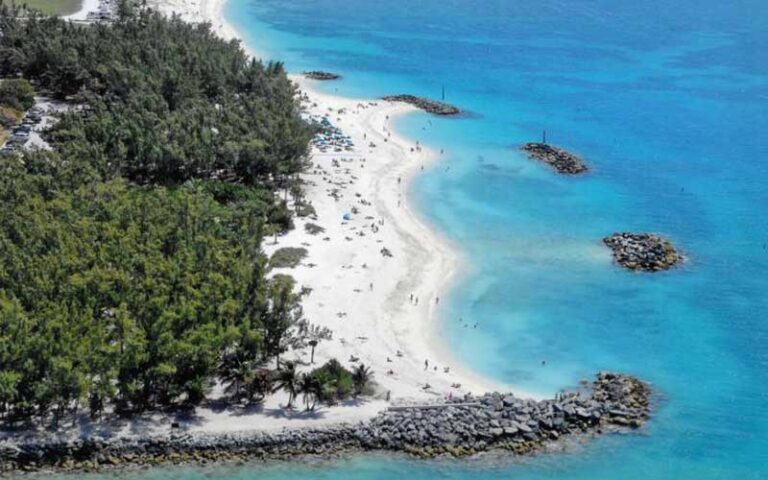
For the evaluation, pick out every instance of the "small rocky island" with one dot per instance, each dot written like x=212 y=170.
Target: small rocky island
x=429 y=106
x=563 y=161
x=320 y=75
x=459 y=427
x=643 y=251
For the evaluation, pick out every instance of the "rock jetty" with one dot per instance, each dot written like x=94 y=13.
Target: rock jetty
x=429 y=106
x=460 y=428
x=563 y=161
x=320 y=75
x=643 y=251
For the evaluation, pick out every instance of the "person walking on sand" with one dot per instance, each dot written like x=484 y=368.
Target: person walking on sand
x=426 y=364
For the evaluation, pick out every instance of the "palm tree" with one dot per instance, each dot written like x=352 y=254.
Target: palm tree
x=309 y=386
x=361 y=376
x=234 y=373
x=258 y=384
x=312 y=335
x=316 y=334
x=313 y=343
x=288 y=380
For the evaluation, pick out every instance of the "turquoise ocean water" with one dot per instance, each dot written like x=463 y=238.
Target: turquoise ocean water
x=669 y=105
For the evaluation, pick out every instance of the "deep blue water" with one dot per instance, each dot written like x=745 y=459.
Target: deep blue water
x=668 y=102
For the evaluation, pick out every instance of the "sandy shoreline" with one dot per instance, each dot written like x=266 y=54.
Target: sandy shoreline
x=363 y=296
x=423 y=263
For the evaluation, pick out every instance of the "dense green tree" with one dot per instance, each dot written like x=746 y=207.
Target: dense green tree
x=282 y=312
x=167 y=100
x=131 y=270
x=136 y=296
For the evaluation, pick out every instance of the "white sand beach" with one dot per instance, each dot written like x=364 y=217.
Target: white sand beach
x=85 y=7
x=210 y=11
x=381 y=308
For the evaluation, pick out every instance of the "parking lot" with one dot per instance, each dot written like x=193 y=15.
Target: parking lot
x=21 y=133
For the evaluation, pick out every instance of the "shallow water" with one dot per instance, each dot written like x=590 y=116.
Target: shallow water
x=669 y=106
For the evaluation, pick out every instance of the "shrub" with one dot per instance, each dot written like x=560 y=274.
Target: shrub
x=306 y=210
x=287 y=257
x=313 y=228
x=336 y=381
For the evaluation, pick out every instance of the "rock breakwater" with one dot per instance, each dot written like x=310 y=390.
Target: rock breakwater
x=508 y=422
x=643 y=251
x=561 y=160
x=429 y=106
x=320 y=75
x=476 y=424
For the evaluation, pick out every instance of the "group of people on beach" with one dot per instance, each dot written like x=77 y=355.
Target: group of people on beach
x=337 y=169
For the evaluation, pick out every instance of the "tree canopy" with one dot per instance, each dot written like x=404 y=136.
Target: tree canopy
x=131 y=270
x=167 y=101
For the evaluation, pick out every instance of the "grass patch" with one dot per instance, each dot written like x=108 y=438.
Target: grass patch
x=287 y=257
x=54 y=7
x=10 y=116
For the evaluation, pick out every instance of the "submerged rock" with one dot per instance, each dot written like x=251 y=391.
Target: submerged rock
x=563 y=161
x=643 y=251
x=429 y=106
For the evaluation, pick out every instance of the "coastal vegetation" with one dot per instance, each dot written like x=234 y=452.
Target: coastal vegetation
x=132 y=275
